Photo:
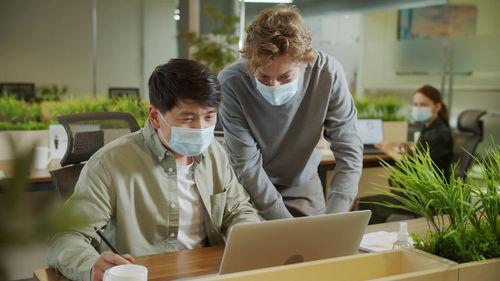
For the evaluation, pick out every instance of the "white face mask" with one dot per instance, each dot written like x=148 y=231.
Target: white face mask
x=188 y=141
x=278 y=95
x=421 y=114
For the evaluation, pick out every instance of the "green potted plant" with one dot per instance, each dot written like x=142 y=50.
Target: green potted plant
x=218 y=48
x=28 y=122
x=460 y=228
x=52 y=92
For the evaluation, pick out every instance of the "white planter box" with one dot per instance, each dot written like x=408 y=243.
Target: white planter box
x=395 y=131
x=488 y=270
x=406 y=264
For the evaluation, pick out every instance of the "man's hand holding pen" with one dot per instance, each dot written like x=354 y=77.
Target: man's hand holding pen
x=107 y=259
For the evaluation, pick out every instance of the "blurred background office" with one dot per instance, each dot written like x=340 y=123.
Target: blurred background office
x=388 y=48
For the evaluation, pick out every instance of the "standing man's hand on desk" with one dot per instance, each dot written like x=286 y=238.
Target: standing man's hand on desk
x=388 y=149
x=107 y=260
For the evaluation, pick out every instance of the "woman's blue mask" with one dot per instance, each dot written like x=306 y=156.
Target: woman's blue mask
x=188 y=141
x=278 y=95
x=421 y=114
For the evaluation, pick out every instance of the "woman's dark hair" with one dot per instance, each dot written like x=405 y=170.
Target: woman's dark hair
x=434 y=94
x=182 y=79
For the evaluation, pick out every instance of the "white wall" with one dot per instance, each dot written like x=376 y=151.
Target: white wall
x=119 y=27
x=160 y=40
x=338 y=36
x=50 y=41
x=381 y=50
x=45 y=42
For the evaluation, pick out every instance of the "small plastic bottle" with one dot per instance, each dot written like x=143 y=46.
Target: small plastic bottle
x=403 y=237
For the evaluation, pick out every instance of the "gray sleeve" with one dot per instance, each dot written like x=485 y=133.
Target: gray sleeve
x=246 y=158
x=341 y=132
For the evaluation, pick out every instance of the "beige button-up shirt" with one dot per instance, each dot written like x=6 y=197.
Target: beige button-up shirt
x=130 y=188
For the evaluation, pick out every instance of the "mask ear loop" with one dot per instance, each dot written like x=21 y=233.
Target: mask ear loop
x=160 y=132
x=161 y=116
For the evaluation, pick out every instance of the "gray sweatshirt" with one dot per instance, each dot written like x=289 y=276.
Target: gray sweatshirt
x=275 y=145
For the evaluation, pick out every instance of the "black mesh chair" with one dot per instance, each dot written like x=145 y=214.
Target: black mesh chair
x=87 y=133
x=124 y=92
x=22 y=91
x=470 y=134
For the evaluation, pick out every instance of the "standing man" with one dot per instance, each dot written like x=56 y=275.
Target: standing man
x=276 y=102
x=165 y=188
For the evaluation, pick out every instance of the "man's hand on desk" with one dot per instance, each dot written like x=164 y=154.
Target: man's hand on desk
x=105 y=261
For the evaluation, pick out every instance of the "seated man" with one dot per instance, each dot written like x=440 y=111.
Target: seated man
x=165 y=188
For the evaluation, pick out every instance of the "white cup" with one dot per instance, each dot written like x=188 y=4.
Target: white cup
x=126 y=272
x=42 y=157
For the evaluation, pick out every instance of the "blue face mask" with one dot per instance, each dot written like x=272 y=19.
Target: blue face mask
x=188 y=141
x=421 y=114
x=278 y=95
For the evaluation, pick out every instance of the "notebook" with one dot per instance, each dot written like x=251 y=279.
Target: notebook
x=370 y=131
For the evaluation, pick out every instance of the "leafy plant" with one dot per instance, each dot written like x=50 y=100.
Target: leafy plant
x=80 y=105
x=30 y=125
x=460 y=228
x=133 y=106
x=20 y=115
x=17 y=112
x=52 y=92
x=385 y=108
x=21 y=223
x=218 y=48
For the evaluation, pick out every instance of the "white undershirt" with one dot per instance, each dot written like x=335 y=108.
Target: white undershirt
x=191 y=220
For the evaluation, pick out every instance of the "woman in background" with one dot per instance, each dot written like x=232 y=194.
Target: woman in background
x=428 y=109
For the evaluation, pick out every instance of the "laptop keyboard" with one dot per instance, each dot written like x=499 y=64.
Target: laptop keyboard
x=371 y=150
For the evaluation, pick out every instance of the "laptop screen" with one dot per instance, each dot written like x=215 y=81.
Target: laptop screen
x=370 y=130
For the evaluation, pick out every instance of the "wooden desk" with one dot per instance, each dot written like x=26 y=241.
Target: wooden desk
x=328 y=164
x=36 y=176
x=190 y=263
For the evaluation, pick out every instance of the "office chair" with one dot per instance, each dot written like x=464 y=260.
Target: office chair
x=21 y=91
x=120 y=92
x=470 y=134
x=87 y=133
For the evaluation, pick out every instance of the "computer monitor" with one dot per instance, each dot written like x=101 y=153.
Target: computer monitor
x=370 y=131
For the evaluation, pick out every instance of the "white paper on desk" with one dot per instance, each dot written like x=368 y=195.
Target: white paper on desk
x=379 y=241
x=2 y=175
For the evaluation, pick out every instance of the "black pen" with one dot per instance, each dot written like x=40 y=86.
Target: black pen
x=115 y=250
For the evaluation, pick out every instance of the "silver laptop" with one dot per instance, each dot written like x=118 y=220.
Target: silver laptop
x=370 y=131
x=287 y=241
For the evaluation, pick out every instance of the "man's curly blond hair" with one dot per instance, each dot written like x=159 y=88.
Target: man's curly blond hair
x=277 y=31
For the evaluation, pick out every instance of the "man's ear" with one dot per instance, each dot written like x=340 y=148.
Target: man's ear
x=154 y=117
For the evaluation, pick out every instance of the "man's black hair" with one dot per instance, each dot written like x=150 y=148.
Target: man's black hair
x=182 y=79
